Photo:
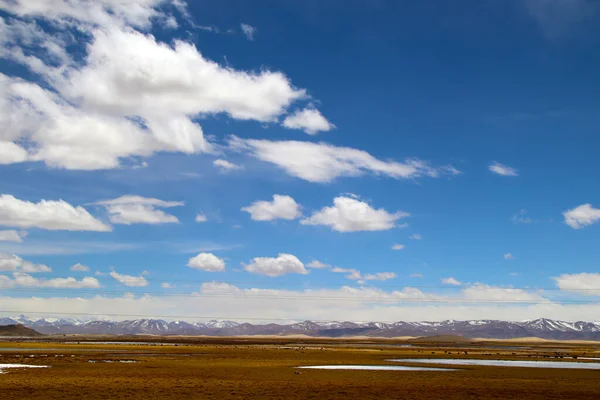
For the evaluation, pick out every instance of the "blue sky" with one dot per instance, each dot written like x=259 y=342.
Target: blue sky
x=465 y=135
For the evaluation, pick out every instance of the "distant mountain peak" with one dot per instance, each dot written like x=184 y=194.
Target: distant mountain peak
x=492 y=329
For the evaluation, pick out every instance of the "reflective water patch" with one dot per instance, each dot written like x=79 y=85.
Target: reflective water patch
x=7 y=366
x=376 y=368
x=502 y=363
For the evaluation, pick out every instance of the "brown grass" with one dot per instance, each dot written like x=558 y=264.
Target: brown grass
x=237 y=370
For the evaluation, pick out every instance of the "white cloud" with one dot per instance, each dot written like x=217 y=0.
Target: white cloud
x=12 y=236
x=450 y=281
x=283 y=207
x=322 y=162
x=508 y=256
x=416 y=236
x=316 y=264
x=379 y=276
x=352 y=215
x=356 y=275
x=282 y=265
x=310 y=120
x=80 y=267
x=352 y=273
x=26 y=280
x=128 y=280
x=200 y=218
x=415 y=275
x=585 y=283
x=99 y=12
x=70 y=137
x=167 y=285
x=141 y=76
x=482 y=292
x=502 y=169
x=14 y=263
x=47 y=214
x=333 y=304
x=11 y=153
x=521 y=218
x=398 y=246
x=582 y=216
x=226 y=166
x=129 y=210
x=128 y=95
x=249 y=31
x=207 y=262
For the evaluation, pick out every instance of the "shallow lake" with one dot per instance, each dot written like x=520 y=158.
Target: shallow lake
x=502 y=363
x=376 y=368
x=7 y=366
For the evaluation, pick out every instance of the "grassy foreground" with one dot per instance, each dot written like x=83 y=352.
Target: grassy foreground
x=222 y=369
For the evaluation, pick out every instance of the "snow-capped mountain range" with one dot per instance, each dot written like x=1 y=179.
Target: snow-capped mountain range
x=542 y=328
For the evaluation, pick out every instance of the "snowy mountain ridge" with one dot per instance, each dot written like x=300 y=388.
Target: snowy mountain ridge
x=543 y=328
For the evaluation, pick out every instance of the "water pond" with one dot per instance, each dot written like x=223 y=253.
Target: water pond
x=7 y=366
x=501 y=363
x=376 y=368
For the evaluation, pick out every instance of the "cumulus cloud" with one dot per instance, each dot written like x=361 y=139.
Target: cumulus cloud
x=127 y=96
x=450 y=281
x=12 y=236
x=200 y=218
x=282 y=207
x=129 y=210
x=129 y=280
x=398 y=246
x=508 y=256
x=14 y=263
x=71 y=137
x=207 y=262
x=80 y=268
x=47 y=214
x=167 y=285
x=501 y=169
x=249 y=31
x=226 y=166
x=25 y=280
x=140 y=75
x=281 y=265
x=584 y=283
x=310 y=120
x=316 y=264
x=322 y=162
x=97 y=13
x=349 y=214
x=416 y=236
x=582 y=216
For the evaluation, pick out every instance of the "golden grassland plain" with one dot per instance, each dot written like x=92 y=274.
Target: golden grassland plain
x=263 y=368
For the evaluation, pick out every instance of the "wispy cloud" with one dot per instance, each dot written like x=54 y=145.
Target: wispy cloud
x=521 y=218
x=501 y=169
x=555 y=18
x=49 y=247
x=249 y=31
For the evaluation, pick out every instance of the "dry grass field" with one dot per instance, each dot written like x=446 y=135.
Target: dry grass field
x=264 y=369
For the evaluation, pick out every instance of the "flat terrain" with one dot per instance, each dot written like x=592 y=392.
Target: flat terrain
x=244 y=368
